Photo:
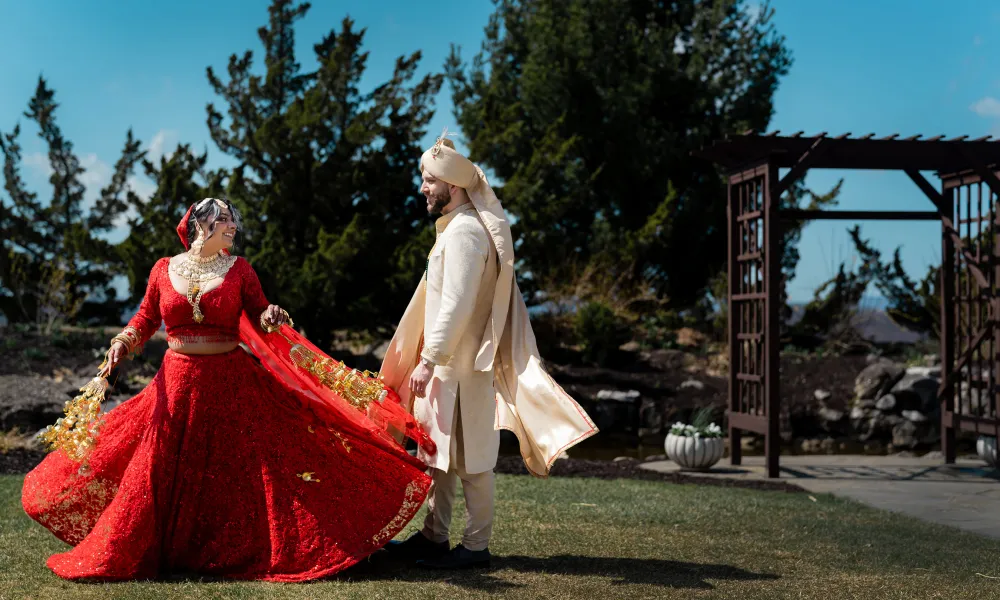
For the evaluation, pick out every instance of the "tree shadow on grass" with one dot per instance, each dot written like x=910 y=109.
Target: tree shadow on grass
x=620 y=571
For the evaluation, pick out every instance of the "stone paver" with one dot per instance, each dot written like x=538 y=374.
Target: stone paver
x=964 y=495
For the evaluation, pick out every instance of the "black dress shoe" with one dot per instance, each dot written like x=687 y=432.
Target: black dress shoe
x=459 y=558
x=416 y=546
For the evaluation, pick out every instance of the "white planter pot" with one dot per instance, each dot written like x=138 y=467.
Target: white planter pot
x=986 y=448
x=695 y=454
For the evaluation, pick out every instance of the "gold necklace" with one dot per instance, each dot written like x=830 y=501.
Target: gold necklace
x=197 y=270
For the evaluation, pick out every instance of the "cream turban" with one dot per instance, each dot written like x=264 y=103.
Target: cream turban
x=445 y=163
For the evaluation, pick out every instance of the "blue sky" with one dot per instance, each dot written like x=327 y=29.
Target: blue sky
x=890 y=66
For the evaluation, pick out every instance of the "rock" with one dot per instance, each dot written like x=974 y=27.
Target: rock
x=689 y=337
x=914 y=415
x=876 y=379
x=632 y=346
x=655 y=458
x=904 y=435
x=822 y=395
x=923 y=387
x=921 y=372
x=830 y=414
x=624 y=459
x=32 y=403
x=886 y=403
x=618 y=395
x=692 y=384
x=858 y=413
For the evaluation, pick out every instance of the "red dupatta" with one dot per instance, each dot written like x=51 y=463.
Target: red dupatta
x=384 y=416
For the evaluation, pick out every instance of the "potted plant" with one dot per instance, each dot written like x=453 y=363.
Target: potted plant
x=986 y=448
x=695 y=446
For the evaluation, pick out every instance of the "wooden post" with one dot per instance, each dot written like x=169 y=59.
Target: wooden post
x=772 y=329
x=947 y=331
x=733 y=205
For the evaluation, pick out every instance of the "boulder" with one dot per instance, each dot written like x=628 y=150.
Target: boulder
x=924 y=387
x=886 y=403
x=822 y=396
x=877 y=379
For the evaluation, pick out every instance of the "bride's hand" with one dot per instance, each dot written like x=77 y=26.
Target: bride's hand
x=114 y=357
x=274 y=316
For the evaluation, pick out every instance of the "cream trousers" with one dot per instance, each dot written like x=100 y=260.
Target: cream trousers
x=478 y=489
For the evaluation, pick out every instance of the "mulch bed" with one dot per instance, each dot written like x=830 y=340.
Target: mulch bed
x=19 y=461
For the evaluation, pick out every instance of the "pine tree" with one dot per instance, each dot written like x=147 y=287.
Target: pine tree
x=56 y=263
x=326 y=175
x=588 y=110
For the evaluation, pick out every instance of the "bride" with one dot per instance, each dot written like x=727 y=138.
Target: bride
x=222 y=466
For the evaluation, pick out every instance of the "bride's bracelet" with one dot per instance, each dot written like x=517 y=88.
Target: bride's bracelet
x=130 y=338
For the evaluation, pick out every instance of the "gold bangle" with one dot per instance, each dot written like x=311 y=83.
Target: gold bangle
x=271 y=328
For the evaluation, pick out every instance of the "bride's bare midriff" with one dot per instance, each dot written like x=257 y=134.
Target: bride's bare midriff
x=200 y=348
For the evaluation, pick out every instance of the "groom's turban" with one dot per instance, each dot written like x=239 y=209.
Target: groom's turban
x=443 y=162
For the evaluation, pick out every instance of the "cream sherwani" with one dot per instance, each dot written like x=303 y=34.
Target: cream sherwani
x=461 y=278
x=458 y=409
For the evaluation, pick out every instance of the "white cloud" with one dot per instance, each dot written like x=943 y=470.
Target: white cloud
x=164 y=138
x=986 y=107
x=38 y=163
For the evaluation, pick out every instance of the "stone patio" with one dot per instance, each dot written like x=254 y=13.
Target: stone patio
x=964 y=495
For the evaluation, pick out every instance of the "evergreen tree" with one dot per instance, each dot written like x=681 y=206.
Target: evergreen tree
x=326 y=175
x=56 y=263
x=588 y=110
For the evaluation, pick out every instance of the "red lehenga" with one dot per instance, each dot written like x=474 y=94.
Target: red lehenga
x=224 y=467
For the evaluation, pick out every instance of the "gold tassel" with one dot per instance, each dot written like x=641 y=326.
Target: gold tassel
x=76 y=432
x=359 y=388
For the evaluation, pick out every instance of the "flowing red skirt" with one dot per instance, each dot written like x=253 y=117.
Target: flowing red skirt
x=215 y=468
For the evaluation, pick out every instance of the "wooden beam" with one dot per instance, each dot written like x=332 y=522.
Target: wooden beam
x=955 y=371
x=800 y=168
x=745 y=422
x=858 y=215
x=987 y=175
x=932 y=194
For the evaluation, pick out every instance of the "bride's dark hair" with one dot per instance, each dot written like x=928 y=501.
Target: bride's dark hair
x=207 y=211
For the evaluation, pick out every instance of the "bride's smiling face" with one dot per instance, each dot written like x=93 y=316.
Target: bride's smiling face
x=221 y=233
x=217 y=223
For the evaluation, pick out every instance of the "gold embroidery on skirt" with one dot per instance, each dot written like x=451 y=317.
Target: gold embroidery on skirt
x=410 y=506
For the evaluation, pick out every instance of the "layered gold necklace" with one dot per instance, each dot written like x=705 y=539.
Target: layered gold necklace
x=196 y=270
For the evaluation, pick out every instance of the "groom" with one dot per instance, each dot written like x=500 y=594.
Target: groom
x=465 y=359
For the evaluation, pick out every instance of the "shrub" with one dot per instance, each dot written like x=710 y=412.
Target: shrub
x=599 y=331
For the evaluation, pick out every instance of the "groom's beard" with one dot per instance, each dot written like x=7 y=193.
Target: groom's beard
x=437 y=202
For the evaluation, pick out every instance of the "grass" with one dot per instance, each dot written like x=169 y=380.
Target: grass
x=581 y=538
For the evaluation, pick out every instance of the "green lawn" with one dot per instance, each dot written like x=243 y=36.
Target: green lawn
x=582 y=538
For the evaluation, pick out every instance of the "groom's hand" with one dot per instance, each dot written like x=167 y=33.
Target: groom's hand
x=419 y=379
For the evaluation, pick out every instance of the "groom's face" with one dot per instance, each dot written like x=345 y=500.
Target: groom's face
x=436 y=192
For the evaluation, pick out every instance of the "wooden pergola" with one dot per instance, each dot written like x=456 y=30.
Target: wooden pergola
x=970 y=255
